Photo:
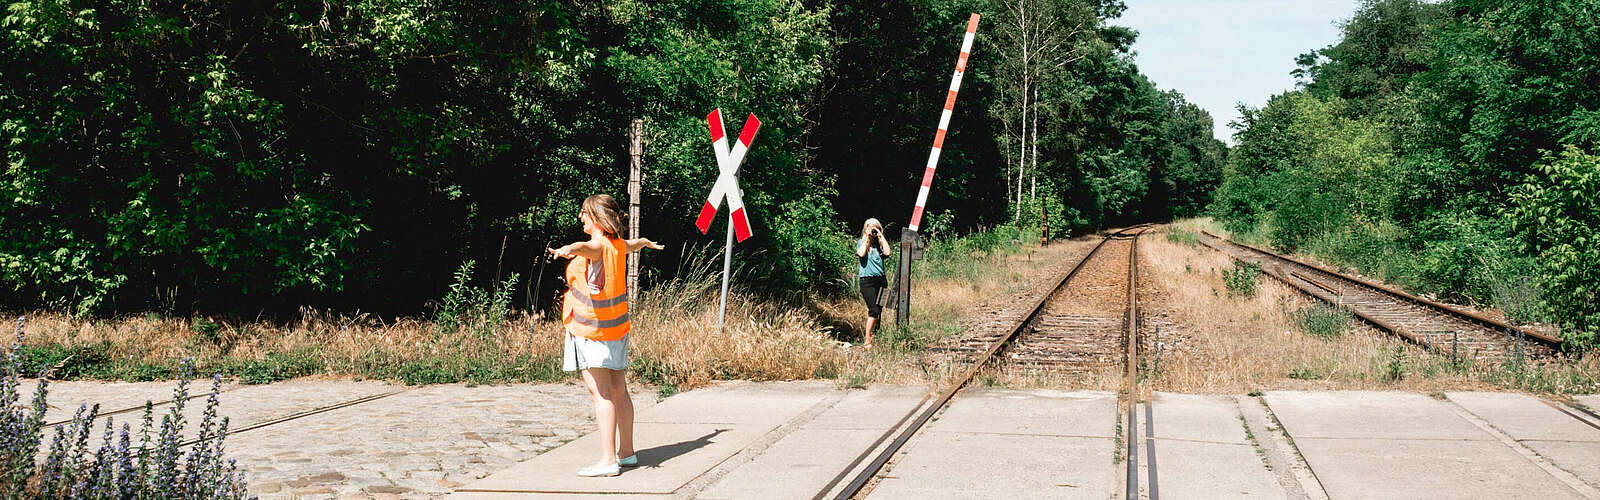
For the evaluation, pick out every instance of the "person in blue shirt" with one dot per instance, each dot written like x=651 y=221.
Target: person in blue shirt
x=871 y=250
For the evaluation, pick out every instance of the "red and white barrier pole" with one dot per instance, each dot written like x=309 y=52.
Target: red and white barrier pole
x=908 y=238
x=944 y=123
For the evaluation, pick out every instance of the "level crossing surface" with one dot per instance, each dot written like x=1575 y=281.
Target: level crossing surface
x=785 y=440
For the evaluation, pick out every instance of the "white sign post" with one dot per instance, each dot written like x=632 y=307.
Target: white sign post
x=727 y=186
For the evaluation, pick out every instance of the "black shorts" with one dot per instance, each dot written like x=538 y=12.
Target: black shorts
x=872 y=290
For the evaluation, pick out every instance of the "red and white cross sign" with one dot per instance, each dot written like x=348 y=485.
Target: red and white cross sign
x=727 y=185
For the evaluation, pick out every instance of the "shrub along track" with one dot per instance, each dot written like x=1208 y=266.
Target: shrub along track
x=1089 y=325
x=1435 y=326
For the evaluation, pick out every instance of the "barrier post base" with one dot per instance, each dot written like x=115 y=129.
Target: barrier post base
x=902 y=282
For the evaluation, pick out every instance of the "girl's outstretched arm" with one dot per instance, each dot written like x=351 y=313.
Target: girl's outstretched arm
x=591 y=249
x=636 y=244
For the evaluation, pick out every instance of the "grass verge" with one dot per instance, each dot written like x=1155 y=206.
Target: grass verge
x=1279 y=339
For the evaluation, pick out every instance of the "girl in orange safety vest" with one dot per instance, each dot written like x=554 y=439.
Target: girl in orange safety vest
x=595 y=312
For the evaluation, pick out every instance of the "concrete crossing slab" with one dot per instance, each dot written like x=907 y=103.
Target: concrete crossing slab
x=1368 y=414
x=1041 y=412
x=1579 y=458
x=1590 y=403
x=1198 y=417
x=1193 y=469
x=1002 y=443
x=806 y=460
x=1405 y=468
x=1525 y=417
x=876 y=407
x=1405 y=445
x=789 y=440
x=739 y=403
x=962 y=465
x=1569 y=441
x=1202 y=450
x=670 y=455
x=678 y=440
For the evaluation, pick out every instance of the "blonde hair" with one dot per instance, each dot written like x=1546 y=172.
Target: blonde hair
x=871 y=222
x=604 y=213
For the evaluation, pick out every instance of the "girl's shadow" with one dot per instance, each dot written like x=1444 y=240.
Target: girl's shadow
x=654 y=457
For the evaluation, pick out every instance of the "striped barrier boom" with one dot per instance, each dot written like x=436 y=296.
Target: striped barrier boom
x=727 y=185
x=944 y=122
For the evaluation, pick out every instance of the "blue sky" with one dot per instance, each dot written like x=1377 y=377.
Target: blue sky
x=1221 y=52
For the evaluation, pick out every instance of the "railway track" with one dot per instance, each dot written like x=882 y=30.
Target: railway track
x=1088 y=321
x=1435 y=326
x=1080 y=328
x=243 y=426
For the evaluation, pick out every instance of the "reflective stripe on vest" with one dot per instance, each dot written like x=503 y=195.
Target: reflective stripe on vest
x=610 y=323
x=603 y=315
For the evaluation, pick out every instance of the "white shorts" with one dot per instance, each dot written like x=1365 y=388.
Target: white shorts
x=581 y=353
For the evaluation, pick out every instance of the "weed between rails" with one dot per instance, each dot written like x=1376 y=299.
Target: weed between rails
x=1322 y=320
x=1241 y=280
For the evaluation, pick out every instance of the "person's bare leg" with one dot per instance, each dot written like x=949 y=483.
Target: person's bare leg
x=605 y=413
x=867 y=339
x=623 y=401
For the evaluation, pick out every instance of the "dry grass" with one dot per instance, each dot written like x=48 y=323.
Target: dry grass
x=675 y=341
x=1220 y=343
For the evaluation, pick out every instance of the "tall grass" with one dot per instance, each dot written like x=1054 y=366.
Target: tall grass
x=473 y=338
x=1280 y=339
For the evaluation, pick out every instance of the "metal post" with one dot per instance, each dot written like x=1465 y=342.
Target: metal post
x=727 y=263
x=635 y=177
x=1519 y=348
x=1455 y=346
x=902 y=313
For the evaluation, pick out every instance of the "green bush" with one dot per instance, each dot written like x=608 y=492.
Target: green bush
x=1241 y=280
x=278 y=366
x=1182 y=237
x=1377 y=249
x=1321 y=320
x=811 y=247
x=63 y=362
x=1557 y=215
x=480 y=310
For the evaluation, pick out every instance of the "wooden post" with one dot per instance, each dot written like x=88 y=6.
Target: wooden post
x=902 y=281
x=635 y=153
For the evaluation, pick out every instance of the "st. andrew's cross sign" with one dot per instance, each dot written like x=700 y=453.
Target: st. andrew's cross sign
x=727 y=186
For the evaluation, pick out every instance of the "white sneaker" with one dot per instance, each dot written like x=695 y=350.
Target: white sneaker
x=629 y=461
x=598 y=470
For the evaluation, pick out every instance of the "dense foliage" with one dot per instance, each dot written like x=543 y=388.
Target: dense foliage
x=1440 y=145
x=249 y=157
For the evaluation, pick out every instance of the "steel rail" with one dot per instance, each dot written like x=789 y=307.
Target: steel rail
x=1132 y=345
x=862 y=478
x=153 y=404
x=300 y=415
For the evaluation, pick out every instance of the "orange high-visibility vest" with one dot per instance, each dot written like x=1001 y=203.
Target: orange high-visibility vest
x=598 y=314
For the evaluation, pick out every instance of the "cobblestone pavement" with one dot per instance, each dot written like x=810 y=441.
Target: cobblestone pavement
x=420 y=442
